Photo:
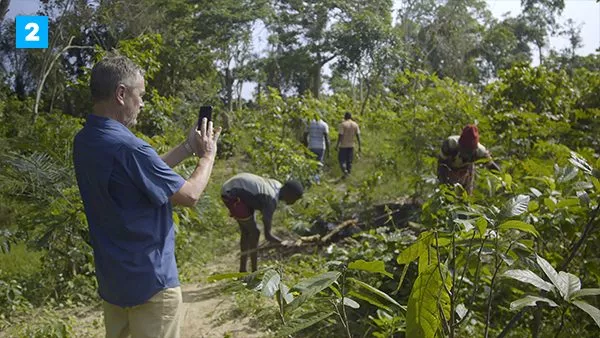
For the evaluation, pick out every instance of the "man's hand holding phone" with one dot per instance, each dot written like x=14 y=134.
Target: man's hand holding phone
x=206 y=140
x=202 y=139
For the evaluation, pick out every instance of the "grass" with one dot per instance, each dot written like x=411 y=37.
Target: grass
x=20 y=263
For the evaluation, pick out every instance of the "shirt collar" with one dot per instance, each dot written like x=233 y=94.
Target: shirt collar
x=104 y=122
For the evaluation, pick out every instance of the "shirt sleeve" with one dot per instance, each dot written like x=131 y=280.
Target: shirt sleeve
x=341 y=129
x=481 y=152
x=357 y=129
x=326 y=128
x=268 y=207
x=151 y=174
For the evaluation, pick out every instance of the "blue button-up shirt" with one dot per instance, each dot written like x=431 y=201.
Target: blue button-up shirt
x=125 y=187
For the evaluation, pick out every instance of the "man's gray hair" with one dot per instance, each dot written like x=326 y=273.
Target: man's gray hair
x=109 y=73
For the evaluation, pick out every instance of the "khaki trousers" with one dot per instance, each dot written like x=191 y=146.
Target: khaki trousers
x=159 y=317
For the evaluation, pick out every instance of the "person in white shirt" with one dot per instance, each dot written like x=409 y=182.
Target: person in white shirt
x=317 y=138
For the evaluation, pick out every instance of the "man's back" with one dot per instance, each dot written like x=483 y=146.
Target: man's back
x=316 y=134
x=348 y=131
x=258 y=192
x=125 y=189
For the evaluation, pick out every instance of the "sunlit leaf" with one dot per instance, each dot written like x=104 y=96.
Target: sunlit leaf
x=530 y=301
x=519 y=225
x=423 y=318
x=596 y=183
x=584 y=198
x=580 y=163
x=461 y=310
x=568 y=174
x=351 y=303
x=569 y=202
x=285 y=291
x=548 y=270
x=481 y=225
x=468 y=224
x=527 y=276
x=311 y=286
x=516 y=206
x=550 y=203
x=535 y=192
x=380 y=296
x=568 y=284
x=585 y=292
x=589 y=309
x=533 y=206
x=270 y=283
x=409 y=254
x=375 y=266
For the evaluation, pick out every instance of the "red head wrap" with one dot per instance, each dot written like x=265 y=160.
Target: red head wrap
x=469 y=137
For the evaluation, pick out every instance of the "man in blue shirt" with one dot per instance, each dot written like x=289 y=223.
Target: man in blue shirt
x=128 y=191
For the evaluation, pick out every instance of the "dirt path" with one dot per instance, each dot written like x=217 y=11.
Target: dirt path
x=208 y=310
x=210 y=313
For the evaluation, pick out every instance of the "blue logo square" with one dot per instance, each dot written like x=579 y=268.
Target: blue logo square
x=32 y=32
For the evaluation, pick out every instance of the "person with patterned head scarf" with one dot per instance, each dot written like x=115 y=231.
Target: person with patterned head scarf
x=456 y=162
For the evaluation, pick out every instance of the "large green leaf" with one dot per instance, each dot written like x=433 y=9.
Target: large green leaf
x=548 y=270
x=373 y=295
x=351 y=303
x=585 y=292
x=516 y=206
x=591 y=310
x=519 y=225
x=423 y=318
x=530 y=301
x=270 y=283
x=311 y=286
x=527 y=276
x=285 y=291
x=409 y=254
x=569 y=202
x=568 y=284
x=481 y=225
x=580 y=163
x=375 y=266
x=416 y=249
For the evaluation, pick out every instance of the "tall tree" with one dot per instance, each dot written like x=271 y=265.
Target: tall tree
x=541 y=18
x=368 y=46
x=301 y=32
x=504 y=44
x=226 y=27
x=453 y=38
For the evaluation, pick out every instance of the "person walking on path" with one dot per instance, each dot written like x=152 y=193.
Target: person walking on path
x=348 y=130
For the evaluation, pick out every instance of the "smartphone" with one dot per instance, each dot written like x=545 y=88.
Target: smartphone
x=205 y=111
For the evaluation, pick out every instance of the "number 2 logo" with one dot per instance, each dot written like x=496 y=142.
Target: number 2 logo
x=31 y=32
x=32 y=36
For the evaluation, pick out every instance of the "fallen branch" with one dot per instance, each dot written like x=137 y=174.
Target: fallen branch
x=337 y=229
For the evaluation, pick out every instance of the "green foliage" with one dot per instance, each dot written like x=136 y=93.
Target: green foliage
x=567 y=285
x=428 y=296
x=405 y=82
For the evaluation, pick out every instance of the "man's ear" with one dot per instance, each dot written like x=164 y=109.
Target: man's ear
x=120 y=94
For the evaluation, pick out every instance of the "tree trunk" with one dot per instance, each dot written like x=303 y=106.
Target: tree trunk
x=228 y=82
x=316 y=80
